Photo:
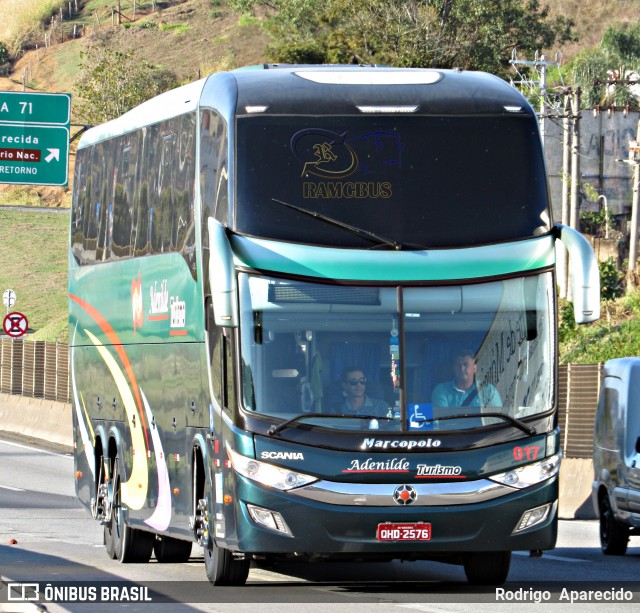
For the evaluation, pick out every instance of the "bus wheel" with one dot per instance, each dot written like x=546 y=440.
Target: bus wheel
x=170 y=550
x=109 y=542
x=614 y=536
x=222 y=568
x=490 y=568
x=124 y=543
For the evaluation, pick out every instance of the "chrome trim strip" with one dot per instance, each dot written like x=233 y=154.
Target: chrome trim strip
x=381 y=494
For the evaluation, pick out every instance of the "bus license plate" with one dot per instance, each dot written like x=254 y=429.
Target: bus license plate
x=404 y=532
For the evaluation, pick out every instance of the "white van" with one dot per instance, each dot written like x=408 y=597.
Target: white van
x=616 y=455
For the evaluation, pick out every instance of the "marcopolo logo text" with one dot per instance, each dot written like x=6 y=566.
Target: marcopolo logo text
x=407 y=444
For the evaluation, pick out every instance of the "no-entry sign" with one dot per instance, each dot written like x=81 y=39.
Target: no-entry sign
x=15 y=324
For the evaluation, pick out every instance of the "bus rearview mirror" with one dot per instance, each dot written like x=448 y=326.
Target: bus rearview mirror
x=222 y=278
x=585 y=275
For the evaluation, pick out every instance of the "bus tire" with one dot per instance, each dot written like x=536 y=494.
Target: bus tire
x=169 y=550
x=222 y=568
x=490 y=568
x=614 y=536
x=108 y=539
x=123 y=543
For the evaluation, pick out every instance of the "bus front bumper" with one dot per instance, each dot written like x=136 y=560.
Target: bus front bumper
x=307 y=523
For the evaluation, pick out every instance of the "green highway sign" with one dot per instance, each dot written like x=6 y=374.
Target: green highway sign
x=34 y=138
x=34 y=155
x=22 y=107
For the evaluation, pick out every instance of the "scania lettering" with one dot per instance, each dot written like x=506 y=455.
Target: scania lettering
x=281 y=455
x=240 y=244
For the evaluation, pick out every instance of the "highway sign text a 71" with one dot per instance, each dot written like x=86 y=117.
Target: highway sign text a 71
x=34 y=138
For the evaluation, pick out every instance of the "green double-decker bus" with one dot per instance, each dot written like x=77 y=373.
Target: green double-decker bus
x=313 y=316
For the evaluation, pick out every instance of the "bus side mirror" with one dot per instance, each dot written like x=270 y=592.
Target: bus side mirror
x=222 y=276
x=585 y=274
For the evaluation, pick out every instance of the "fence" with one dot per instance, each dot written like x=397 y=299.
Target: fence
x=34 y=368
x=578 y=391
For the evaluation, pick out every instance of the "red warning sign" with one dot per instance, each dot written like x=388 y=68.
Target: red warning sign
x=15 y=324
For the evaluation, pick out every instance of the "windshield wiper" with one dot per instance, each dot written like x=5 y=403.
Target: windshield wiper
x=376 y=238
x=516 y=422
x=273 y=430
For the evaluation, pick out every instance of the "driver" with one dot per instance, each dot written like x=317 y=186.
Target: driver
x=356 y=401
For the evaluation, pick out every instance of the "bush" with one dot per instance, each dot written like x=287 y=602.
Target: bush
x=112 y=82
x=567 y=327
x=595 y=222
x=611 y=286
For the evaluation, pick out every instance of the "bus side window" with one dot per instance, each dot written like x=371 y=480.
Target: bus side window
x=221 y=364
x=216 y=361
x=228 y=381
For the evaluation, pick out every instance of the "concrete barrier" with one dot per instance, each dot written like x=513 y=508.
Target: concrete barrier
x=51 y=421
x=576 y=479
x=37 y=418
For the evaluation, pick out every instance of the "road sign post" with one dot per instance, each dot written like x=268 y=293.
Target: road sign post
x=34 y=138
x=9 y=298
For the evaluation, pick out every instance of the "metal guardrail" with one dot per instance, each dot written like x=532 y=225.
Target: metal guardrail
x=41 y=370
x=34 y=368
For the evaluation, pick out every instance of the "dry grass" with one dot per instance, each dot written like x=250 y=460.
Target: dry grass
x=27 y=20
x=592 y=17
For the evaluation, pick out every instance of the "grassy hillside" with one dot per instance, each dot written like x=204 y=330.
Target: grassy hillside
x=33 y=253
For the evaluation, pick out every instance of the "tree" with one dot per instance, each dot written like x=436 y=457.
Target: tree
x=617 y=57
x=112 y=82
x=471 y=34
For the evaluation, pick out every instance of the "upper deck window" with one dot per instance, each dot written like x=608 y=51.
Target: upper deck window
x=421 y=181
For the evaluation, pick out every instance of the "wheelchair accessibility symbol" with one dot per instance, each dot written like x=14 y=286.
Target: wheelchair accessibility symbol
x=15 y=324
x=418 y=414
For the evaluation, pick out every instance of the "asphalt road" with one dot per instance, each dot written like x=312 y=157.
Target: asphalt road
x=47 y=539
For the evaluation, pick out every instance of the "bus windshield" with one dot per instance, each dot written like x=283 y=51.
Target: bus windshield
x=464 y=355
x=420 y=181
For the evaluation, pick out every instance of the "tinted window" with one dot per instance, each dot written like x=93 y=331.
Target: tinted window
x=134 y=194
x=427 y=181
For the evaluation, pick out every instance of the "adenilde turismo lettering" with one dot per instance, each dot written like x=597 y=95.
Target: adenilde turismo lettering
x=565 y=595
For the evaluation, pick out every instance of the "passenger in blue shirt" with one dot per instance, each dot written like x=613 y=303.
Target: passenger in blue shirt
x=462 y=390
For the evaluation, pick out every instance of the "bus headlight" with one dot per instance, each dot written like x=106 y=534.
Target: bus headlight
x=268 y=474
x=531 y=474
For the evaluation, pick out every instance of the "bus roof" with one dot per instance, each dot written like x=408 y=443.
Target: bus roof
x=361 y=89
x=326 y=90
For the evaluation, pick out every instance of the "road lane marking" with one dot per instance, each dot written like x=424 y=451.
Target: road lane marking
x=45 y=451
x=13 y=489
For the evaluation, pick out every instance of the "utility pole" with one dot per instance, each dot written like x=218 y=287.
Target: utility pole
x=562 y=255
x=634 y=160
x=575 y=159
x=575 y=175
x=540 y=66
